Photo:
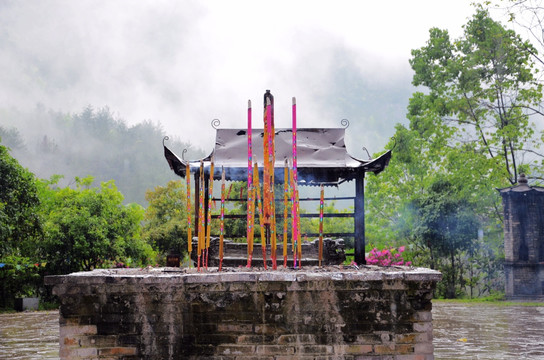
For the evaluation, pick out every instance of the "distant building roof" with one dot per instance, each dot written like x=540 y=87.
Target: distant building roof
x=522 y=187
x=321 y=156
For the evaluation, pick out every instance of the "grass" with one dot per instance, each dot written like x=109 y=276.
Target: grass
x=494 y=300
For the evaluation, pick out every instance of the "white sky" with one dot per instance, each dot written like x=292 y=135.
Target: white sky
x=184 y=63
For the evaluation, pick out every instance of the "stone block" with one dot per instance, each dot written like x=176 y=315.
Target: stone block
x=235 y=328
x=384 y=349
x=315 y=349
x=298 y=339
x=423 y=327
x=423 y=316
x=232 y=349
x=27 y=304
x=423 y=348
x=66 y=331
x=275 y=349
x=118 y=351
x=353 y=349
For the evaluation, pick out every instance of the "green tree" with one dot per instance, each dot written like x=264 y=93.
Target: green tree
x=11 y=138
x=479 y=90
x=20 y=228
x=165 y=226
x=446 y=225
x=89 y=227
x=19 y=221
x=92 y=142
x=469 y=133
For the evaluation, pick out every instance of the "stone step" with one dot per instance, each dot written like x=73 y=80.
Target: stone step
x=235 y=254
x=258 y=261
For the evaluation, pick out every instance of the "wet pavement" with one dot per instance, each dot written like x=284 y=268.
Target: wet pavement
x=461 y=331
x=488 y=332
x=29 y=335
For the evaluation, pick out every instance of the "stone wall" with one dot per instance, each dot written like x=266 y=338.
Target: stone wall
x=372 y=313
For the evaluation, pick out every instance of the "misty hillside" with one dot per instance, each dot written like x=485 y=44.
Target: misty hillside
x=92 y=142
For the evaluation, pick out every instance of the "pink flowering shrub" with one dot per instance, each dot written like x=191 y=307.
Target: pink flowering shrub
x=387 y=257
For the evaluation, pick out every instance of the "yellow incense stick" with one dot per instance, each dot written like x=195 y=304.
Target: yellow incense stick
x=222 y=220
x=260 y=209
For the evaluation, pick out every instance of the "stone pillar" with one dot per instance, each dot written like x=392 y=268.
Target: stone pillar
x=523 y=239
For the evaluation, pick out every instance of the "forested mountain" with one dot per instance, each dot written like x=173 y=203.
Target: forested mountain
x=93 y=142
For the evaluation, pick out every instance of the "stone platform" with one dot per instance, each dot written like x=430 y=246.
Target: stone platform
x=242 y=314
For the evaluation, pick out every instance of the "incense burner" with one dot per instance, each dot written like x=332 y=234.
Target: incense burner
x=330 y=312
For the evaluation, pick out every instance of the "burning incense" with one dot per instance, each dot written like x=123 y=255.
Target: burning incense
x=250 y=201
x=299 y=240
x=285 y=210
x=209 y=219
x=270 y=179
x=260 y=209
x=201 y=220
x=296 y=219
x=189 y=228
x=222 y=220
x=267 y=166
x=321 y=201
x=251 y=235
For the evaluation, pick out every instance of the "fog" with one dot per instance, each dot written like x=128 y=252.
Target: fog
x=184 y=63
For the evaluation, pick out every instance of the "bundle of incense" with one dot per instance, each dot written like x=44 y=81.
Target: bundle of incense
x=285 y=210
x=189 y=227
x=222 y=219
x=268 y=180
x=299 y=232
x=250 y=200
x=297 y=214
x=321 y=203
x=266 y=163
x=257 y=189
x=272 y=153
x=201 y=219
x=296 y=219
x=209 y=219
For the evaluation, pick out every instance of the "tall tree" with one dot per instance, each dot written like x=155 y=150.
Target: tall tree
x=479 y=89
x=470 y=128
x=19 y=221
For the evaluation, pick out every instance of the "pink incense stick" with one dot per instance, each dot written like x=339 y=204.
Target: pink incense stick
x=189 y=227
x=295 y=178
x=250 y=200
x=222 y=218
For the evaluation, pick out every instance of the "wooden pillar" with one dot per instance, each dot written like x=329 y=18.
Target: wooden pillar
x=360 y=219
